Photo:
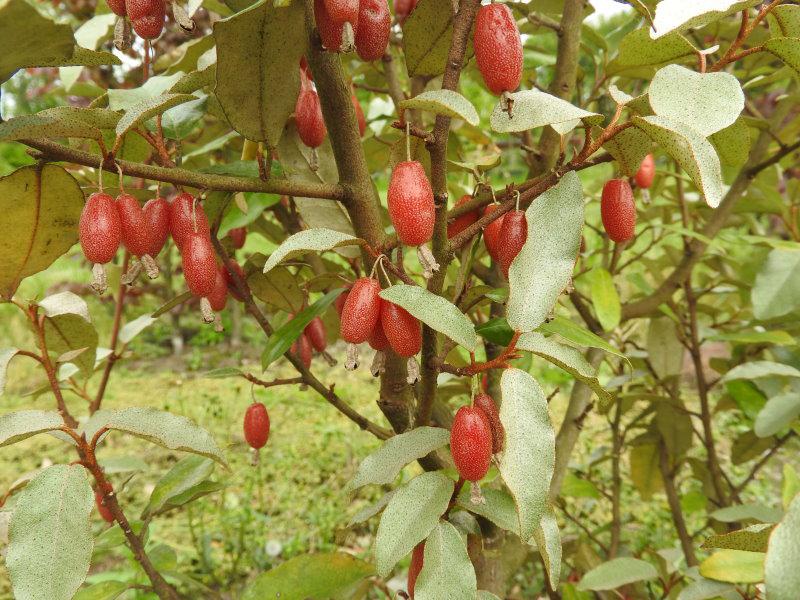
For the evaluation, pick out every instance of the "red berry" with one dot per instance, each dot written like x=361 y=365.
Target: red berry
x=403 y=8
x=199 y=267
x=117 y=7
x=181 y=221
x=361 y=311
x=305 y=70
x=100 y=229
x=308 y=115
x=232 y=289
x=459 y=224
x=301 y=348
x=618 y=210
x=471 y=443
x=147 y=17
x=401 y=329
x=485 y=403
x=498 y=48
x=377 y=340
x=341 y=11
x=238 y=237
x=411 y=207
x=330 y=30
x=218 y=297
x=156 y=217
x=340 y=302
x=104 y=511
x=417 y=556
x=491 y=233
x=374 y=26
x=256 y=425
x=362 y=121
x=646 y=173
x=316 y=334
x=512 y=238
x=134 y=225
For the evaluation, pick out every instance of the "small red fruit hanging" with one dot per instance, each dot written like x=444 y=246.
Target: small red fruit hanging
x=362 y=121
x=147 y=17
x=404 y=333
x=417 y=558
x=498 y=48
x=379 y=343
x=100 y=233
x=337 y=35
x=218 y=297
x=374 y=27
x=403 y=8
x=646 y=173
x=460 y=223
x=256 y=427
x=360 y=316
x=471 y=443
x=200 y=270
x=301 y=348
x=512 y=238
x=492 y=233
x=485 y=403
x=238 y=237
x=316 y=334
x=117 y=7
x=186 y=216
x=156 y=216
x=310 y=123
x=135 y=236
x=618 y=210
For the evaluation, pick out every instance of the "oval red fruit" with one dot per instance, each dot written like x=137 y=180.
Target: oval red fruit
x=218 y=297
x=156 y=216
x=308 y=116
x=403 y=8
x=316 y=334
x=362 y=121
x=147 y=17
x=411 y=207
x=491 y=233
x=100 y=229
x=341 y=11
x=238 y=237
x=471 y=443
x=117 y=7
x=256 y=425
x=361 y=311
x=498 y=48
x=301 y=348
x=377 y=340
x=135 y=233
x=330 y=30
x=374 y=26
x=459 y=224
x=184 y=214
x=104 y=511
x=417 y=557
x=199 y=267
x=618 y=210
x=305 y=70
x=485 y=403
x=512 y=238
x=232 y=289
x=401 y=329
x=340 y=302
x=646 y=173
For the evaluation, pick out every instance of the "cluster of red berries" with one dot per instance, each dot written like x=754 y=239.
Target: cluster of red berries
x=361 y=24
x=147 y=16
x=617 y=208
x=314 y=337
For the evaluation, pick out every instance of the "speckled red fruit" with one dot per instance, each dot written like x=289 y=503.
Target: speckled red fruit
x=256 y=425
x=117 y=7
x=498 y=48
x=485 y=403
x=134 y=225
x=491 y=233
x=308 y=115
x=374 y=25
x=646 y=173
x=340 y=302
x=147 y=17
x=199 y=267
x=181 y=222
x=403 y=8
x=218 y=297
x=305 y=69
x=410 y=200
x=100 y=229
x=316 y=334
x=341 y=11
x=232 y=289
x=238 y=237
x=362 y=121
x=361 y=311
x=471 y=443
x=618 y=210
x=417 y=557
x=330 y=30
x=401 y=329
x=156 y=216
x=104 y=511
x=512 y=238
x=459 y=224
x=377 y=340
x=301 y=348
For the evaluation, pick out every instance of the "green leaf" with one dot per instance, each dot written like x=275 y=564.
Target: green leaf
x=781 y=572
x=777 y=414
x=664 y=349
x=443 y=102
x=638 y=50
x=499 y=507
x=548 y=542
x=309 y=576
x=629 y=147
x=50 y=539
x=752 y=539
x=741 y=512
x=777 y=288
x=165 y=429
x=691 y=150
x=427 y=34
x=677 y=15
x=170 y=304
x=6 y=354
x=310 y=240
x=133 y=328
x=733 y=143
x=383 y=465
x=705 y=589
x=283 y=338
x=410 y=516
x=533 y=109
x=616 y=573
x=436 y=312
x=43 y=126
x=605 y=298
x=105 y=590
x=279 y=288
x=571 y=331
x=734 y=566
x=706 y=102
x=68 y=328
x=446 y=569
x=187 y=473
x=777 y=337
x=527 y=462
x=575 y=487
x=567 y=358
x=760 y=368
x=371 y=510
x=148 y=109
x=791 y=485
x=675 y=426
x=543 y=268
x=645 y=472
x=258 y=50
x=41 y=204
x=787 y=50
x=20 y=425
x=496 y=331
x=784 y=21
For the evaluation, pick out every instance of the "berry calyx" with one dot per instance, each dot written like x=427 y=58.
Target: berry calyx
x=100 y=229
x=471 y=443
x=135 y=233
x=492 y=233
x=647 y=172
x=199 y=266
x=361 y=311
x=147 y=17
x=485 y=403
x=403 y=8
x=104 y=511
x=308 y=116
x=411 y=207
x=374 y=26
x=402 y=330
x=512 y=237
x=618 y=210
x=218 y=297
x=181 y=221
x=316 y=334
x=256 y=425
x=238 y=237
x=301 y=348
x=498 y=48
x=362 y=121
x=417 y=557
x=156 y=217
x=459 y=224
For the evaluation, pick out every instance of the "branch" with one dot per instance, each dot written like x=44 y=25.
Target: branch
x=763 y=461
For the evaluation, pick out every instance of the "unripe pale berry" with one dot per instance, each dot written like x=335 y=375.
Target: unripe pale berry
x=361 y=311
x=646 y=173
x=218 y=297
x=104 y=511
x=330 y=30
x=301 y=348
x=402 y=330
x=498 y=48
x=459 y=224
x=147 y=17
x=156 y=216
x=377 y=340
x=199 y=266
x=403 y=8
x=492 y=233
x=134 y=225
x=485 y=403
x=362 y=121
x=100 y=229
x=316 y=334
x=256 y=425
x=618 y=210
x=232 y=289
x=238 y=237
x=308 y=116
x=513 y=236
x=471 y=443
x=117 y=7
x=181 y=221
x=374 y=26
x=417 y=557
x=411 y=207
